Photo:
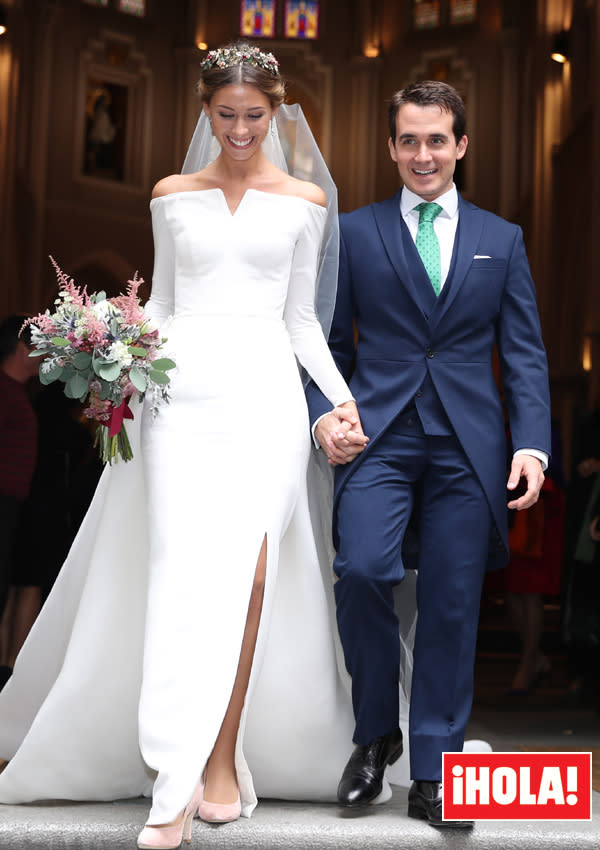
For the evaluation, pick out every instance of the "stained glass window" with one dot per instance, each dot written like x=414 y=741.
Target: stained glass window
x=463 y=11
x=257 y=18
x=133 y=7
x=426 y=14
x=301 y=19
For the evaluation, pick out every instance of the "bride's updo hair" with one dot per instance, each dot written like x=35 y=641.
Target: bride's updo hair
x=241 y=63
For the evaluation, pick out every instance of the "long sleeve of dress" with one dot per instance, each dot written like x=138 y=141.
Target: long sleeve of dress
x=308 y=341
x=161 y=303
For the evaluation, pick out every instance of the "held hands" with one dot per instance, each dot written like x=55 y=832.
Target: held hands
x=340 y=434
x=529 y=468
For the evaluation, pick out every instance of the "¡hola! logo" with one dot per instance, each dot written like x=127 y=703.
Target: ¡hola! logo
x=517 y=786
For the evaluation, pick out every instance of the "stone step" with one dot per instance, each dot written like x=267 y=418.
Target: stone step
x=283 y=826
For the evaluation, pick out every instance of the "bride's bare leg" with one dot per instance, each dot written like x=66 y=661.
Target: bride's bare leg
x=221 y=782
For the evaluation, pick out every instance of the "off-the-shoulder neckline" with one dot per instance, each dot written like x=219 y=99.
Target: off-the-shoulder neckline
x=250 y=189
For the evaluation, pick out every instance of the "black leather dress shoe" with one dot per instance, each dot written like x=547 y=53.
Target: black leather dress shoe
x=425 y=803
x=362 y=779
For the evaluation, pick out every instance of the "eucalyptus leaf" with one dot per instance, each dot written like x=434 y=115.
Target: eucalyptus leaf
x=109 y=371
x=104 y=389
x=138 y=379
x=38 y=353
x=163 y=364
x=82 y=360
x=100 y=296
x=98 y=363
x=158 y=377
x=77 y=387
x=137 y=351
x=51 y=375
x=68 y=392
x=60 y=341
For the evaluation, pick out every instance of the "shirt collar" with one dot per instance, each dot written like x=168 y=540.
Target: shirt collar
x=448 y=201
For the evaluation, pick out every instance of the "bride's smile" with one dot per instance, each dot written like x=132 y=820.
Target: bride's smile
x=240 y=116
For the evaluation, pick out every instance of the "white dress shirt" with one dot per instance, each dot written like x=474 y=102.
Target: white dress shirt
x=444 y=223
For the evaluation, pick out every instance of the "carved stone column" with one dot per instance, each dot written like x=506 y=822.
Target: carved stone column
x=11 y=61
x=363 y=139
x=508 y=173
x=188 y=102
x=188 y=60
x=552 y=85
x=33 y=163
x=592 y=325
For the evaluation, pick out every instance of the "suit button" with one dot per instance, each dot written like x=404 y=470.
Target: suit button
x=430 y=353
x=418 y=393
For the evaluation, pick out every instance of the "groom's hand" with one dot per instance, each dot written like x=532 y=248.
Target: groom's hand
x=529 y=468
x=340 y=434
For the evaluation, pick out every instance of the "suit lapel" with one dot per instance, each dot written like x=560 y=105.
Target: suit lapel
x=468 y=233
x=389 y=224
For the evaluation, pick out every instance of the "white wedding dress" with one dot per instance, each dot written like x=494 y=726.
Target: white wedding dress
x=122 y=685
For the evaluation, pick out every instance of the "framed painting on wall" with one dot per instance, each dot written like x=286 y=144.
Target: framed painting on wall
x=105 y=129
x=301 y=19
x=113 y=138
x=257 y=18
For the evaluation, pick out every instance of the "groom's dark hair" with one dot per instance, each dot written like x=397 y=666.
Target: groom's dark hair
x=430 y=93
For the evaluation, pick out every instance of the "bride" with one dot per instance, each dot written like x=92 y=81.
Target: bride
x=188 y=648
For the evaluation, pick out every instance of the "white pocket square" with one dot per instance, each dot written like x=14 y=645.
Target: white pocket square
x=482 y=257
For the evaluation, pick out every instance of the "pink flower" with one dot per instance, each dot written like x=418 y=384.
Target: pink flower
x=43 y=322
x=94 y=329
x=81 y=298
x=129 y=304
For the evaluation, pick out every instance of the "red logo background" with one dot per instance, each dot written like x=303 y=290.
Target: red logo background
x=517 y=786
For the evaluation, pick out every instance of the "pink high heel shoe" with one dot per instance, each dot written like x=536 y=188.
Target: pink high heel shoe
x=219 y=812
x=169 y=837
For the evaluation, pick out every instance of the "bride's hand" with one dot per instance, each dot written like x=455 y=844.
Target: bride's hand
x=340 y=434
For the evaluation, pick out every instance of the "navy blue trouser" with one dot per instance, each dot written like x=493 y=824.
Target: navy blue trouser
x=454 y=522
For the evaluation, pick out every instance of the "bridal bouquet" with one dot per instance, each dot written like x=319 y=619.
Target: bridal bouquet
x=104 y=350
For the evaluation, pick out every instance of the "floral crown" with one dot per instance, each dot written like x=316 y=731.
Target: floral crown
x=227 y=57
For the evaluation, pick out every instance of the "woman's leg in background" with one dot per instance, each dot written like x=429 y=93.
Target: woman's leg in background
x=527 y=613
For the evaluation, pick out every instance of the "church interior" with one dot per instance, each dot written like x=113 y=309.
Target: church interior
x=529 y=73
x=531 y=121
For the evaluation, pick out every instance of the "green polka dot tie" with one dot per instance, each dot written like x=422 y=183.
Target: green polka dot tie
x=428 y=245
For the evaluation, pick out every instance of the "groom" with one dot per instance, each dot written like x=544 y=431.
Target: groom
x=427 y=284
